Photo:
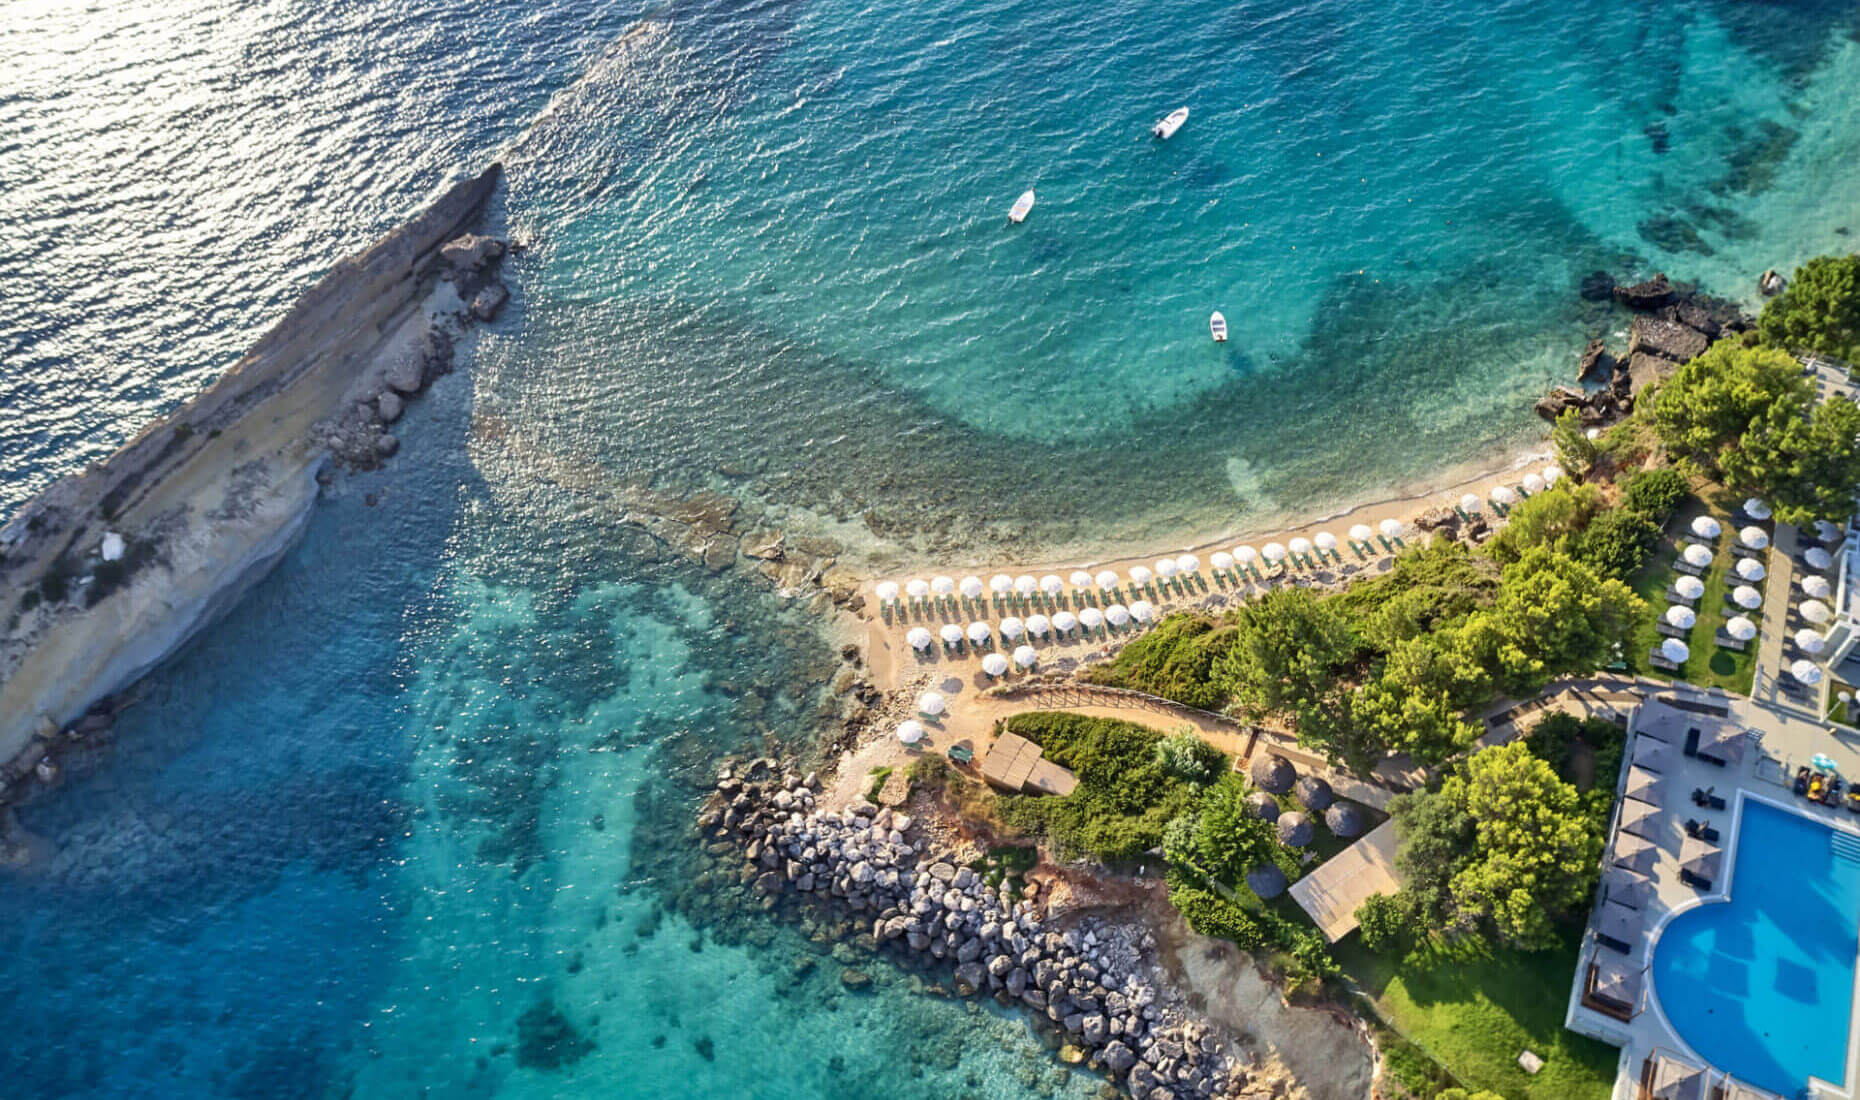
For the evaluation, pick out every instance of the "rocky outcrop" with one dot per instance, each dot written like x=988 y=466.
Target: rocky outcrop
x=1772 y=283
x=1665 y=338
x=1645 y=370
x=1599 y=407
x=1648 y=295
x=878 y=866
x=1596 y=364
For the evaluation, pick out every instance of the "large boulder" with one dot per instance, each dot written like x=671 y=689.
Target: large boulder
x=469 y=253
x=1315 y=793
x=1665 y=338
x=1273 y=773
x=1648 y=295
x=407 y=374
x=486 y=303
x=1644 y=370
x=389 y=406
x=1596 y=363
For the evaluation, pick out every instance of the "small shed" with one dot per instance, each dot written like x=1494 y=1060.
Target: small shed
x=1016 y=764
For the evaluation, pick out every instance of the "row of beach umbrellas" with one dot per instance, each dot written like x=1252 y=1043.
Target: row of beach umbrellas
x=1013 y=627
x=1503 y=497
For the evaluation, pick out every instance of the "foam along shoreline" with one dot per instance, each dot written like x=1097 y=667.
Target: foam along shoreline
x=206 y=500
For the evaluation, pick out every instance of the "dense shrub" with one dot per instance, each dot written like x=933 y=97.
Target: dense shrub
x=1820 y=310
x=1385 y=923
x=1185 y=756
x=1617 y=542
x=1175 y=661
x=1124 y=798
x=1654 y=493
x=1210 y=914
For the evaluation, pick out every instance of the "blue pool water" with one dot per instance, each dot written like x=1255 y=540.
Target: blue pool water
x=1762 y=986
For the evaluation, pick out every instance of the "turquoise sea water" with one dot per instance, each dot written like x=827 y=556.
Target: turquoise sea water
x=428 y=782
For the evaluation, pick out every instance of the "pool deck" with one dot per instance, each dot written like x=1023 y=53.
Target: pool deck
x=1784 y=738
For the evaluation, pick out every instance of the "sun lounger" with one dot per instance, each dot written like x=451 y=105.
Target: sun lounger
x=1692 y=742
x=1694 y=881
x=1743 y=551
x=1685 y=566
x=1725 y=641
x=1658 y=660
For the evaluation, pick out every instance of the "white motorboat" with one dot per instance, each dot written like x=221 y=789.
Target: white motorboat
x=1217 y=327
x=1166 y=127
x=1021 y=205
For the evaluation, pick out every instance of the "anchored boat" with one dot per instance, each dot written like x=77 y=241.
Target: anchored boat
x=1167 y=126
x=1217 y=327
x=1021 y=205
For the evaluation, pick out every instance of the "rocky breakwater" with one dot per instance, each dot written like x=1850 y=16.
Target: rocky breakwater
x=107 y=572
x=878 y=866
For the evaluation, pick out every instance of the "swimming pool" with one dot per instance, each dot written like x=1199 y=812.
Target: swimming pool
x=1762 y=986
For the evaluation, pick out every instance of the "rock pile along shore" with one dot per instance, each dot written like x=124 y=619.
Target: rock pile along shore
x=875 y=865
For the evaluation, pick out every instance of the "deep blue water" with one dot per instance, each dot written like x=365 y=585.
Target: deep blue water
x=1762 y=986
x=430 y=776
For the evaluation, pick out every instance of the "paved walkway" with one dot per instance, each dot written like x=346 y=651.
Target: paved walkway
x=1778 y=587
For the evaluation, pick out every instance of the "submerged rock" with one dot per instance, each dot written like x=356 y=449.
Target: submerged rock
x=1648 y=295
x=547 y=1040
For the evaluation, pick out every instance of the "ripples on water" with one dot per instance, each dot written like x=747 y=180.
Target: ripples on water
x=432 y=776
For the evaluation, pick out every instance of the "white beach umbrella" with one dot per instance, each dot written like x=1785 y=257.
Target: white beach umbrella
x=1806 y=671
x=1681 y=616
x=1817 y=587
x=1825 y=531
x=1706 y=527
x=1811 y=642
x=1361 y=533
x=943 y=586
x=1025 y=586
x=1091 y=618
x=932 y=703
x=1750 y=569
x=1117 y=615
x=916 y=589
x=979 y=633
x=1274 y=553
x=1001 y=584
x=887 y=591
x=1025 y=656
x=972 y=587
x=1816 y=612
x=1052 y=585
x=1552 y=474
x=1746 y=597
x=1533 y=483
x=1080 y=579
x=1301 y=546
x=1470 y=502
x=952 y=634
x=1221 y=560
x=1039 y=625
x=1756 y=509
x=1188 y=565
x=1675 y=650
x=919 y=638
x=113 y=547
x=994 y=664
x=1689 y=587
x=1817 y=558
x=910 y=731
x=1740 y=628
x=1106 y=579
x=1502 y=494
x=1140 y=575
x=1142 y=611
x=1392 y=528
x=1165 y=568
x=1697 y=555
x=1065 y=621
x=1245 y=555
x=1325 y=541
x=1753 y=537
x=1012 y=627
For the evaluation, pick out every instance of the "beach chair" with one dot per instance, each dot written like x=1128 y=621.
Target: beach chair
x=1694 y=881
x=1673 y=596
x=1725 y=641
x=1687 y=567
x=961 y=754
x=1658 y=660
x=1670 y=630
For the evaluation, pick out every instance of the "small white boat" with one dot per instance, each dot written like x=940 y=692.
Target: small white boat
x=1217 y=327
x=1021 y=205
x=1166 y=127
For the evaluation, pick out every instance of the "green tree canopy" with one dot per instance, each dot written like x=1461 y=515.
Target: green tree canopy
x=1820 y=310
x=1552 y=519
x=1554 y=616
x=1806 y=468
x=1617 y=541
x=1228 y=841
x=1705 y=410
x=1289 y=645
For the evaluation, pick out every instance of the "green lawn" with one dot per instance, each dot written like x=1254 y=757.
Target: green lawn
x=1475 y=1017
x=1709 y=666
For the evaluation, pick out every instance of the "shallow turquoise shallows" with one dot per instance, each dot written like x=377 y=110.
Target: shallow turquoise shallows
x=1762 y=986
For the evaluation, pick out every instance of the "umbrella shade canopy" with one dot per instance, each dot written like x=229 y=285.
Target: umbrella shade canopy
x=1753 y=537
x=1706 y=527
x=1025 y=656
x=1646 y=786
x=1038 y=625
x=1052 y=585
x=1740 y=628
x=1624 y=887
x=1274 y=552
x=1025 y=585
x=1142 y=611
x=1756 y=509
x=1221 y=559
x=888 y=591
x=994 y=664
x=1361 y=532
x=1106 y=579
x=917 y=589
x=918 y=637
x=1325 y=541
x=1314 y=792
x=1080 y=579
x=910 y=731
x=1825 y=531
x=1746 y=597
x=1553 y=474
x=1810 y=641
x=1701 y=857
x=1638 y=817
x=1392 y=528
x=1816 y=612
x=1675 y=650
x=1245 y=554
x=1651 y=752
x=1092 y=618
x=1344 y=819
x=1751 y=569
x=1001 y=584
x=1301 y=546
x=1697 y=556
x=1165 y=567
x=1273 y=773
x=952 y=634
x=1633 y=853
x=1502 y=494
x=1470 y=502
x=1263 y=806
x=1140 y=575
x=1533 y=483
x=972 y=587
x=1065 y=621
x=943 y=586
x=1011 y=628
x=1817 y=587
x=1188 y=563
x=1295 y=830
x=1817 y=558
x=1117 y=614
x=932 y=703
x=1689 y=587
x=1681 y=616
x=979 y=633
x=1806 y=671
x=1266 y=881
